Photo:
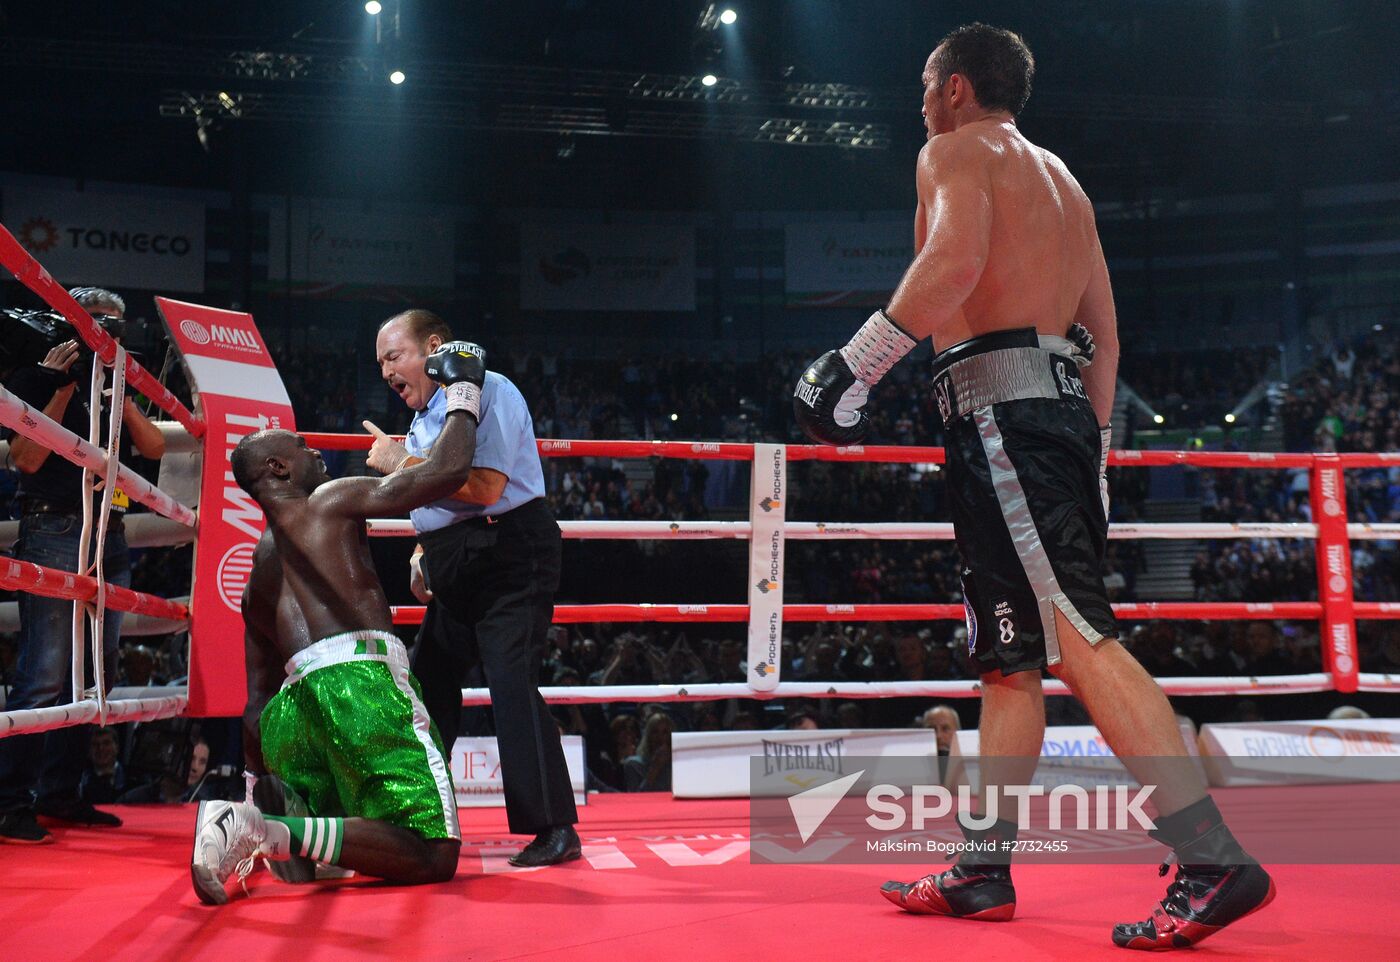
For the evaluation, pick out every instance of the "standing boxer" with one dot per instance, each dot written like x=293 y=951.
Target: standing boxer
x=487 y=566
x=1010 y=282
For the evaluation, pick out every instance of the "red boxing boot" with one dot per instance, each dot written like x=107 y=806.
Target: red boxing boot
x=1216 y=884
x=978 y=887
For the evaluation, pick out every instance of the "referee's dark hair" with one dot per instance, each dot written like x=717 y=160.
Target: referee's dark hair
x=421 y=324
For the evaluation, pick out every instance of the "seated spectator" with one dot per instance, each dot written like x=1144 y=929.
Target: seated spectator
x=104 y=780
x=168 y=788
x=650 y=769
x=944 y=721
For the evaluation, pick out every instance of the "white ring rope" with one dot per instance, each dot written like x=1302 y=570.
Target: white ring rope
x=28 y=721
x=594 y=694
x=37 y=427
x=95 y=611
x=92 y=704
x=895 y=531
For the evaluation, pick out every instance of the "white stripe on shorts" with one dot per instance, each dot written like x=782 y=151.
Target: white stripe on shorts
x=422 y=727
x=1016 y=511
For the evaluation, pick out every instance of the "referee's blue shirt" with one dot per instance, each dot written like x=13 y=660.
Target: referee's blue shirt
x=505 y=442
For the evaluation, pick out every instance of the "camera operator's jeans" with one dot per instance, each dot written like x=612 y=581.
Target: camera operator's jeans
x=49 y=764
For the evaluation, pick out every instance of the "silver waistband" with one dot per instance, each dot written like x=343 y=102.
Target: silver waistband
x=1009 y=374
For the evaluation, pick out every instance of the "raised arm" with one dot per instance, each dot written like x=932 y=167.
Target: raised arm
x=461 y=368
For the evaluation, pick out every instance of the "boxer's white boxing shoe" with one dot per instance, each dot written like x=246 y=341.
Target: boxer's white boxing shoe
x=228 y=838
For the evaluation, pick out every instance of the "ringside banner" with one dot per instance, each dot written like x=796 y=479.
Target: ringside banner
x=476 y=771
x=328 y=244
x=857 y=263
x=716 y=764
x=153 y=242
x=607 y=267
x=238 y=391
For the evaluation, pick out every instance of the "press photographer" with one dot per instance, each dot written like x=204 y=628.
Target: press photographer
x=39 y=774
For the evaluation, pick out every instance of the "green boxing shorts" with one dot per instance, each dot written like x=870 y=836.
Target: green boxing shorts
x=348 y=733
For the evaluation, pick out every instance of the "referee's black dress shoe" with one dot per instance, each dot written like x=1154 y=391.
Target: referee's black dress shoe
x=550 y=847
x=77 y=812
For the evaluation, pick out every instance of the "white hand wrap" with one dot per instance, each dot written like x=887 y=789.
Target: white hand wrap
x=1105 y=439
x=464 y=396
x=877 y=347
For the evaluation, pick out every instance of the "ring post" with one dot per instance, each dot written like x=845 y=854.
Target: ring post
x=767 y=513
x=239 y=391
x=1334 y=587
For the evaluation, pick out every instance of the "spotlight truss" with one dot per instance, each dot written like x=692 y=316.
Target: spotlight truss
x=335 y=83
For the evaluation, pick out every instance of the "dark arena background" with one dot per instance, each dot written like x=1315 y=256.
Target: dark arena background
x=653 y=215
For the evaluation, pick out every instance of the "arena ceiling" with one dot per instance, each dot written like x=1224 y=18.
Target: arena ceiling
x=568 y=101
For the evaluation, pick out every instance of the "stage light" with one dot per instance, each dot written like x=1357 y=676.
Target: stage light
x=1230 y=418
x=728 y=17
x=1158 y=419
x=397 y=77
x=373 y=7
x=709 y=80
x=675 y=417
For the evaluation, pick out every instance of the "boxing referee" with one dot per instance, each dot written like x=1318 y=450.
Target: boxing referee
x=487 y=566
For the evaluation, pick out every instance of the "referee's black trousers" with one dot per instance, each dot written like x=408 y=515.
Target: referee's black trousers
x=493 y=587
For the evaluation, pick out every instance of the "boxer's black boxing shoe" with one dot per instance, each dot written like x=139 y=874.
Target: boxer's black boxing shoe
x=981 y=892
x=1216 y=884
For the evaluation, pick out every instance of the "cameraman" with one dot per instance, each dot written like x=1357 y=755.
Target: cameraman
x=39 y=773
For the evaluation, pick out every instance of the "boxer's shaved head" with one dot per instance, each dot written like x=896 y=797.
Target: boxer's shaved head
x=252 y=461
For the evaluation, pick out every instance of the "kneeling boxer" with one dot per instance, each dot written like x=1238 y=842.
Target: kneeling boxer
x=361 y=777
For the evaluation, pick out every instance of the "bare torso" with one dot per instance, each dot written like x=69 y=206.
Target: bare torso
x=1043 y=244
x=313 y=577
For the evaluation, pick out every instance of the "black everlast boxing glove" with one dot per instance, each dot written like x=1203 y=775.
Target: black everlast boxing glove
x=460 y=367
x=829 y=401
x=1083 y=344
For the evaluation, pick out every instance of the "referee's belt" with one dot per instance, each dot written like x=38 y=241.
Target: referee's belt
x=1004 y=366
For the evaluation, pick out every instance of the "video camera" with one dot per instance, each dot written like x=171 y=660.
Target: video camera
x=27 y=336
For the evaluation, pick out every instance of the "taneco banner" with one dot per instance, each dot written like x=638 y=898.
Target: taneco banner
x=97 y=238
x=607 y=267
x=856 y=263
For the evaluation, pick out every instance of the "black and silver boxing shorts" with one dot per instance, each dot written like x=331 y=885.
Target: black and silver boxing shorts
x=1023 y=476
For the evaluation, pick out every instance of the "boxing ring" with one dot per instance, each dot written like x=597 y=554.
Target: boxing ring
x=1332 y=534
x=659 y=875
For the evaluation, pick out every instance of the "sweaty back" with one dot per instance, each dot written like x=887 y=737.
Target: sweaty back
x=1043 y=239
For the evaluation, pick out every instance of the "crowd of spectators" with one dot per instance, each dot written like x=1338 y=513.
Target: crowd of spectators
x=1344 y=403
